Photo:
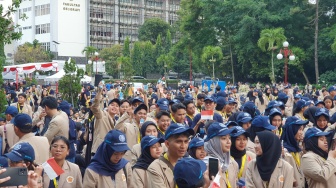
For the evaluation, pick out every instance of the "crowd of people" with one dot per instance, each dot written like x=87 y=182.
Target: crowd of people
x=275 y=136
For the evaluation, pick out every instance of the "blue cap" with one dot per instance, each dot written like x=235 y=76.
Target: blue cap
x=177 y=128
x=217 y=129
x=142 y=106
x=272 y=104
x=196 y=142
x=282 y=96
x=163 y=104
x=262 y=121
x=137 y=99
x=238 y=130
x=148 y=141
x=188 y=97
x=116 y=140
x=332 y=119
x=312 y=132
x=184 y=176
x=301 y=103
x=331 y=88
x=2 y=119
x=231 y=123
x=221 y=101
x=174 y=101
x=116 y=100
x=297 y=96
x=209 y=98
x=65 y=107
x=244 y=117
x=23 y=121
x=221 y=94
x=231 y=101
x=293 y=120
x=11 y=110
x=322 y=111
x=21 y=151
x=319 y=102
x=3 y=162
x=275 y=111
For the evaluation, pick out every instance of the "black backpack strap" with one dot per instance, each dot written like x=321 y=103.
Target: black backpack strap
x=125 y=171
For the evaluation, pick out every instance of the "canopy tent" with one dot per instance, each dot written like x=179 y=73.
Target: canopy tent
x=56 y=77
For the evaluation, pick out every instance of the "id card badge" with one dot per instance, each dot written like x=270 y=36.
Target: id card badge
x=90 y=136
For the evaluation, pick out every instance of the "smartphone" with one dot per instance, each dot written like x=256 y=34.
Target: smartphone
x=19 y=176
x=213 y=167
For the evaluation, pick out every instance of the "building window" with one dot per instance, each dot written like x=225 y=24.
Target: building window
x=41 y=10
x=45 y=46
x=43 y=28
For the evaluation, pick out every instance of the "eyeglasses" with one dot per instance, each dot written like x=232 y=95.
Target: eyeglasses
x=61 y=148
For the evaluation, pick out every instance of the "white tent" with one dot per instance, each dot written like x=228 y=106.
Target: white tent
x=86 y=79
x=56 y=77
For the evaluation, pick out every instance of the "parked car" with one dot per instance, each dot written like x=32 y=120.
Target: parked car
x=138 y=78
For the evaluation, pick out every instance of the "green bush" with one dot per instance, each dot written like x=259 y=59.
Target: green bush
x=328 y=78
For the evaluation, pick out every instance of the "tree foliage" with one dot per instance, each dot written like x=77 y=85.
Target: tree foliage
x=110 y=56
x=151 y=28
x=31 y=52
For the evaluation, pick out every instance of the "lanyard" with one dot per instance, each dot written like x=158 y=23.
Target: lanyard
x=296 y=157
x=227 y=179
x=166 y=157
x=55 y=183
x=18 y=107
x=172 y=118
x=90 y=119
x=161 y=131
x=190 y=117
x=240 y=174
x=139 y=137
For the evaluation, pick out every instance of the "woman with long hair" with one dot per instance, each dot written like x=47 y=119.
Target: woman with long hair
x=329 y=104
x=318 y=165
x=261 y=102
x=218 y=145
x=239 y=138
x=268 y=169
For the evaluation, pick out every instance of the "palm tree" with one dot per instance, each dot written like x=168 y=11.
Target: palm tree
x=274 y=38
x=212 y=54
x=89 y=51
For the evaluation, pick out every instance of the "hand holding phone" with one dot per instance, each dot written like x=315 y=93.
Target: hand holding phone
x=213 y=167
x=18 y=176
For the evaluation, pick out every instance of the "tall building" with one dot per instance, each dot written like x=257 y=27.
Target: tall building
x=111 y=21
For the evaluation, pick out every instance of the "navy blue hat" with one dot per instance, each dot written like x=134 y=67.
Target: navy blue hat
x=184 y=177
x=272 y=104
x=238 y=130
x=196 y=142
x=282 y=96
x=230 y=123
x=21 y=151
x=177 y=128
x=305 y=99
x=331 y=88
x=210 y=98
x=221 y=101
x=275 y=111
x=322 y=111
x=312 y=132
x=65 y=107
x=2 y=119
x=142 y=106
x=116 y=100
x=174 y=101
x=244 y=117
x=297 y=96
x=301 y=104
x=23 y=121
x=148 y=141
x=11 y=110
x=3 y=162
x=116 y=140
x=137 y=99
x=231 y=101
x=221 y=94
x=163 y=104
x=333 y=118
x=319 y=102
x=188 y=97
x=262 y=121
x=201 y=96
x=293 y=120
x=217 y=129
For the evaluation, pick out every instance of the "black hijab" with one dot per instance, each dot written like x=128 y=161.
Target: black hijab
x=144 y=127
x=309 y=113
x=253 y=131
x=311 y=144
x=235 y=153
x=271 y=147
x=144 y=160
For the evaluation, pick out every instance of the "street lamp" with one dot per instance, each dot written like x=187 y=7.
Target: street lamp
x=286 y=52
x=96 y=58
x=212 y=60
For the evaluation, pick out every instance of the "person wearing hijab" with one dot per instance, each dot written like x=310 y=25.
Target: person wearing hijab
x=260 y=123
x=268 y=169
x=292 y=137
x=238 y=151
x=108 y=168
x=217 y=145
x=251 y=108
x=275 y=93
x=244 y=120
x=299 y=109
x=275 y=117
x=321 y=119
x=309 y=114
x=317 y=164
x=151 y=149
x=196 y=148
x=268 y=94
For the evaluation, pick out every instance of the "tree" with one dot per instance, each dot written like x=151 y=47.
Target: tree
x=126 y=50
x=151 y=28
x=7 y=34
x=333 y=46
x=110 y=56
x=300 y=58
x=212 y=54
x=272 y=38
x=31 y=52
x=89 y=51
x=126 y=68
x=136 y=59
x=70 y=84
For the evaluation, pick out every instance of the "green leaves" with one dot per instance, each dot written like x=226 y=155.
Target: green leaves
x=272 y=38
x=212 y=53
x=152 y=28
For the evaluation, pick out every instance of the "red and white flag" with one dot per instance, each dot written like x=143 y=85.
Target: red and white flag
x=216 y=182
x=52 y=169
x=207 y=114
